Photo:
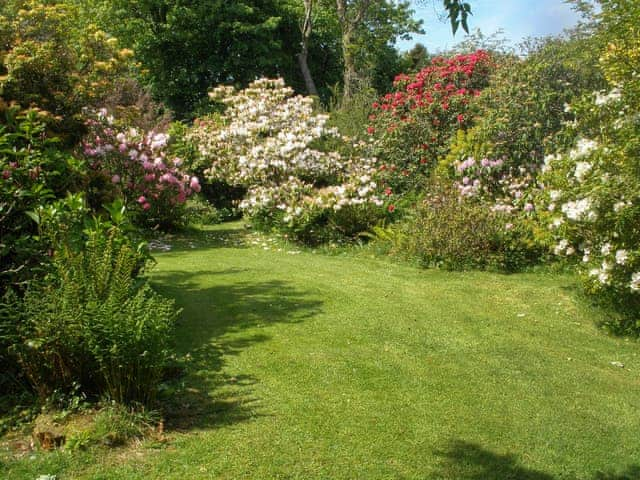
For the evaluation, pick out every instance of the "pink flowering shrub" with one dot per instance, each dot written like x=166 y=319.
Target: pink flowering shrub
x=136 y=166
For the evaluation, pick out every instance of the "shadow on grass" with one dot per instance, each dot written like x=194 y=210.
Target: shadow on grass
x=221 y=317
x=198 y=239
x=468 y=461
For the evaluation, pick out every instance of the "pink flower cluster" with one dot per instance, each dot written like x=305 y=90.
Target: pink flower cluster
x=508 y=190
x=138 y=165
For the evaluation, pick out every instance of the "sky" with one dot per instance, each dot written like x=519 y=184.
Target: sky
x=517 y=18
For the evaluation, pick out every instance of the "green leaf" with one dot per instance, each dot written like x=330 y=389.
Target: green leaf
x=33 y=216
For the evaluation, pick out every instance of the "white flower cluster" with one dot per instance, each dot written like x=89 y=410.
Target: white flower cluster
x=264 y=141
x=581 y=209
x=603 y=98
x=583 y=148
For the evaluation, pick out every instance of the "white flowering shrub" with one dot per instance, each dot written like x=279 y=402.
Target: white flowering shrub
x=592 y=198
x=267 y=141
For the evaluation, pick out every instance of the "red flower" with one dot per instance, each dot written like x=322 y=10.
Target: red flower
x=388 y=191
x=370 y=130
x=460 y=118
x=391 y=208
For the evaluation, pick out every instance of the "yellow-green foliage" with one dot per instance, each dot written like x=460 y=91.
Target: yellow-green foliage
x=50 y=60
x=463 y=145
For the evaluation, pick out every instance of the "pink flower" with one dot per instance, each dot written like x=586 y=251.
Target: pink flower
x=195 y=184
x=142 y=199
x=149 y=177
x=115 y=179
x=391 y=208
x=159 y=163
x=146 y=206
x=6 y=174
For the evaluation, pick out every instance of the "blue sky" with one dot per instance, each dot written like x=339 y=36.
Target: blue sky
x=518 y=18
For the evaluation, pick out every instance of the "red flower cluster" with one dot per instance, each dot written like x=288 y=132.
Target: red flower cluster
x=413 y=123
x=437 y=83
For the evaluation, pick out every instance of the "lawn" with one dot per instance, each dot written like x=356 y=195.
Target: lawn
x=313 y=366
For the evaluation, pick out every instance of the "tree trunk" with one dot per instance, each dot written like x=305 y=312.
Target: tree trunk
x=303 y=56
x=350 y=18
x=306 y=74
x=350 y=74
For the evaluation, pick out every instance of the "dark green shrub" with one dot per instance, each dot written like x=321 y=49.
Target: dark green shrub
x=34 y=173
x=525 y=105
x=93 y=322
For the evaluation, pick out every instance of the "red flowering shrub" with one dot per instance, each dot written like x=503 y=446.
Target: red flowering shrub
x=137 y=167
x=412 y=125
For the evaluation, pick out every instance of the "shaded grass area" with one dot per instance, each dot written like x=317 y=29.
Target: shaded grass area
x=305 y=366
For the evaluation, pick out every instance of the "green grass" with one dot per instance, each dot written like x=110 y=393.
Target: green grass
x=308 y=366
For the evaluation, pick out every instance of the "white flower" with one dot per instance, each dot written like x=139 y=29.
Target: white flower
x=561 y=247
x=605 y=249
x=583 y=148
x=603 y=278
x=604 y=99
x=620 y=205
x=635 y=282
x=582 y=168
x=621 y=257
x=579 y=210
x=555 y=195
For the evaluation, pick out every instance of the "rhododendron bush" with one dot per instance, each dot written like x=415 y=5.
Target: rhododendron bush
x=266 y=141
x=413 y=124
x=593 y=198
x=138 y=168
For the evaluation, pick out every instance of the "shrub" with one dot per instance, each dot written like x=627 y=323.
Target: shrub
x=412 y=125
x=52 y=61
x=34 y=173
x=265 y=141
x=524 y=106
x=593 y=203
x=94 y=323
x=138 y=168
x=452 y=232
x=592 y=188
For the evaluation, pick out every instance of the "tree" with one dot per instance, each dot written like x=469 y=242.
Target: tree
x=366 y=27
x=186 y=46
x=416 y=58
